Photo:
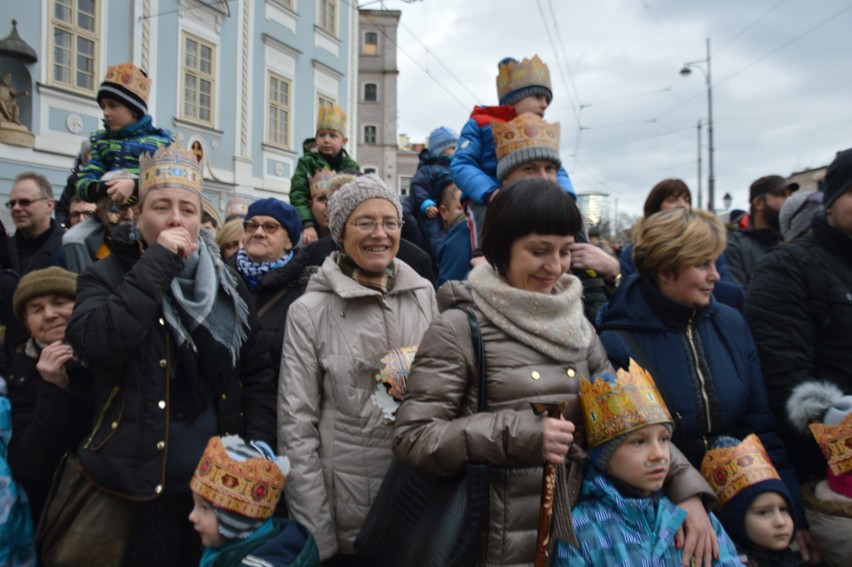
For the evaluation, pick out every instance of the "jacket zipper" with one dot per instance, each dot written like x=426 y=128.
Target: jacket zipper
x=700 y=377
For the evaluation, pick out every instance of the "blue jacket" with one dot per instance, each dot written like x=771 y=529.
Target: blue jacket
x=474 y=165
x=429 y=181
x=454 y=254
x=614 y=530
x=706 y=366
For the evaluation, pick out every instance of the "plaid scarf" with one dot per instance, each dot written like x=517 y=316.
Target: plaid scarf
x=381 y=281
x=252 y=272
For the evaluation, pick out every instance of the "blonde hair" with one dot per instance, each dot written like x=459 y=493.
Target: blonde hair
x=675 y=239
x=231 y=231
x=339 y=181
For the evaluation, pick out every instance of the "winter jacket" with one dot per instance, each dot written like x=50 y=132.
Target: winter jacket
x=277 y=543
x=338 y=443
x=118 y=329
x=830 y=518
x=454 y=254
x=300 y=184
x=706 y=366
x=799 y=308
x=613 y=529
x=438 y=430
x=745 y=249
x=119 y=150
x=427 y=186
x=474 y=165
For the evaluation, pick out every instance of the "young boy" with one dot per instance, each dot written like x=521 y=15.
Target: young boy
x=623 y=517
x=428 y=183
x=754 y=503
x=329 y=154
x=522 y=86
x=235 y=489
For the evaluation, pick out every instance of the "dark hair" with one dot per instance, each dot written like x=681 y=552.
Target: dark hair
x=525 y=207
x=662 y=191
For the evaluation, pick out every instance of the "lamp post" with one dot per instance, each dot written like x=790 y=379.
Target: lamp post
x=727 y=200
x=686 y=71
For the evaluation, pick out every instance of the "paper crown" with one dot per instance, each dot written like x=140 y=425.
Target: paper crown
x=171 y=167
x=614 y=407
x=331 y=118
x=729 y=470
x=514 y=75
x=236 y=207
x=320 y=182
x=525 y=131
x=251 y=487
x=835 y=441
x=127 y=83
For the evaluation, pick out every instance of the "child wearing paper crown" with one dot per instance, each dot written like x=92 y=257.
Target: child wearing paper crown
x=623 y=517
x=428 y=183
x=328 y=154
x=522 y=86
x=235 y=489
x=755 y=504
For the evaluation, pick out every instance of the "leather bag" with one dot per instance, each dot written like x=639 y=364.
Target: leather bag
x=427 y=521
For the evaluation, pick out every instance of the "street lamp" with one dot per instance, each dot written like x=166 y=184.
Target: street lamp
x=686 y=71
x=727 y=200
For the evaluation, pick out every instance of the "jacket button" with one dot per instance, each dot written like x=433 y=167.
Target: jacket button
x=224 y=396
x=158 y=489
x=161 y=404
x=114 y=425
x=161 y=445
x=162 y=322
x=570 y=373
x=535 y=375
x=163 y=363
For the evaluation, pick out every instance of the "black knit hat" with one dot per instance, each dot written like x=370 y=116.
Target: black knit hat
x=838 y=176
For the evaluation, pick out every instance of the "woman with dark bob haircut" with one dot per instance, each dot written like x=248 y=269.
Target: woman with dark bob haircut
x=537 y=343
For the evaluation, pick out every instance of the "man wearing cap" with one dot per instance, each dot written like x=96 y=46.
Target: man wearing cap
x=799 y=308
x=746 y=248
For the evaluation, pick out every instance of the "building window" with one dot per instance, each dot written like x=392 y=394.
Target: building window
x=325 y=101
x=369 y=134
x=327 y=16
x=404 y=184
x=371 y=92
x=284 y=4
x=371 y=43
x=278 y=111
x=74 y=43
x=198 y=79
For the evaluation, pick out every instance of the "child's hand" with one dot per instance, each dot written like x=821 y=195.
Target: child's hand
x=309 y=235
x=120 y=190
x=431 y=212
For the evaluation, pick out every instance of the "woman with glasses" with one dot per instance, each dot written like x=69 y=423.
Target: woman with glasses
x=333 y=422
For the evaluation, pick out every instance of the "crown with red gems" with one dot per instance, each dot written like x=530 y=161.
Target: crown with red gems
x=620 y=404
x=331 y=118
x=169 y=167
x=514 y=76
x=835 y=441
x=729 y=470
x=251 y=487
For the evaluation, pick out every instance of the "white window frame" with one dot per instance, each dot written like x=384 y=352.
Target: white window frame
x=325 y=100
x=375 y=135
x=277 y=107
x=286 y=4
x=326 y=22
x=76 y=33
x=198 y=74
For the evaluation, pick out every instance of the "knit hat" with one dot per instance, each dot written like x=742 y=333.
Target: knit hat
x=170 y=167
x=739 y=472
x=347 y=198
x=440 y=139
x=524 y=139
x=797 y=212
x=236 y=207
x=283 y=212
x=127 y=84
x=517 y=80
x=243 y=481
x=331 y=118
x=770 y=184
x=838 y=176
x=38 y=283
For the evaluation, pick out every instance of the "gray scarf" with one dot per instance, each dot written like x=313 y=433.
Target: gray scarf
x=552 y=324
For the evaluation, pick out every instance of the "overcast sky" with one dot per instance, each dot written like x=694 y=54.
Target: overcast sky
x=781 y=80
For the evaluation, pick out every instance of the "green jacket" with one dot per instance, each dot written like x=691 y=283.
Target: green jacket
x=300 y=184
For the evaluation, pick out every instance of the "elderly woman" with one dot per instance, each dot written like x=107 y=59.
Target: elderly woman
x=537 y=344
x=361 y=304
x=699 y=351
x=51 y=393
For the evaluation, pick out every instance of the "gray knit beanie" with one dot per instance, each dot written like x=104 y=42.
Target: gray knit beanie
x=601 y=454
x=524 y=139
x=525 y=155
x=797 y=212
x=347 y=198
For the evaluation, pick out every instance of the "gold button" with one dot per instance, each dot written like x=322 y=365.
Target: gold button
x=161 y=445
x=114 y=425
x=535 y=375
x=224 y=396
x=163 y=363
x=162 y=404
x=570 y=372
x=158 y=489
x=162 y=322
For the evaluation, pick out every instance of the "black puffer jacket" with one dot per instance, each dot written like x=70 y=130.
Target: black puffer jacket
x=118 y=329
x=799 y=308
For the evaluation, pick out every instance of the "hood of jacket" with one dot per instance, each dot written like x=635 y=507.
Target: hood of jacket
x=331 y=279
x=428 y=158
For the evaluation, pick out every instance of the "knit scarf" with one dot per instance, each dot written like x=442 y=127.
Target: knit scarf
x=253 y=272
x=552 y=324
x=205 y=293
x=381 y=281
x=233 y=553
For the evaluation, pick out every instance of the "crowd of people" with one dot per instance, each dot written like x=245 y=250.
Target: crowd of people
x=234 y=391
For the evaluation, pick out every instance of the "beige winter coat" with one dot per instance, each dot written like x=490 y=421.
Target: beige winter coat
x=338 y=443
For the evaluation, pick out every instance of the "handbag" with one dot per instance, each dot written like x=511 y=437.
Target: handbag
x=82 y=526
x=428 y=521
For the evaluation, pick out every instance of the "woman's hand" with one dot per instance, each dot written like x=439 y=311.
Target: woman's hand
x=808 y=547
x=557 y=435
x=51 y=363
x=120 y=190
x=309 y=235
x=585 y=256
x=700 y=542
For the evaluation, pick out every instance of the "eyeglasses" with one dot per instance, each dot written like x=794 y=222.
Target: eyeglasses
x=23 y=202
x=369 y=225
x=269 y=227
x=78 y=214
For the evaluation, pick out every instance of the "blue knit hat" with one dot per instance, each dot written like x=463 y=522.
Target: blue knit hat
x=441 y=139
x=283 y=212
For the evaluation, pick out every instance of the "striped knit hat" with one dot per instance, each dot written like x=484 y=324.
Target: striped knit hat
x=127 y=84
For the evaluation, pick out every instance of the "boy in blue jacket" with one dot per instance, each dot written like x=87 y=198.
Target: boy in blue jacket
x=428 y=183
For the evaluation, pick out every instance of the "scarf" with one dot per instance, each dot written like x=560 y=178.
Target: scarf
x=253 y=272
x=381 y=281
x=233 y=553
x=552 y=324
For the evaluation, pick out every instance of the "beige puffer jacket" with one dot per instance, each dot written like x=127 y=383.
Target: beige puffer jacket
x=338 y=443
x=429 y=436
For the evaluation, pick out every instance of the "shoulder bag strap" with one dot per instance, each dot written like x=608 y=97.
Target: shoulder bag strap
x=479 y=357
x=272 y=301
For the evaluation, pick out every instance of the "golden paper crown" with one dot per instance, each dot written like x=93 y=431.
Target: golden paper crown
x=331 y=118
x=250 y=488
x=513 y=75
x=129 y=77
x=320 y=182
x=729 y=470
x=170 y=167
x=835 y=441
x=611 y=410
x=525 y=131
